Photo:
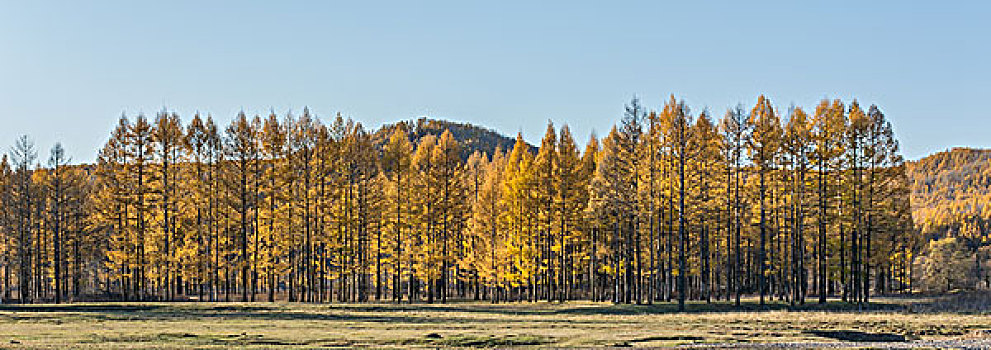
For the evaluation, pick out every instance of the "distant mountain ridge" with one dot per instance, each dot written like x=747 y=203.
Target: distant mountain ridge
x=471 y=137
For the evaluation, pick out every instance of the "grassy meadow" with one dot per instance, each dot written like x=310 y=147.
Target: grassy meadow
x=479 y=324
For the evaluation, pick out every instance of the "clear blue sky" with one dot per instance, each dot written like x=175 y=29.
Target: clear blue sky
x=69 y=69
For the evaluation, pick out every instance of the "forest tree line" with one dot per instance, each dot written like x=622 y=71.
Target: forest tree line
x=669 y=205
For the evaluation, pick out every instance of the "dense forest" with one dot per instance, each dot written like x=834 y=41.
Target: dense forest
x=671 y=204
x=951 y=199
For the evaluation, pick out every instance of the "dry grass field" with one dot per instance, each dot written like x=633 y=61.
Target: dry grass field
x=890 y=322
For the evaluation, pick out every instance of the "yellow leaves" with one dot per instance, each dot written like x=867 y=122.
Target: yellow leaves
x=316 y=197
x=766 y=135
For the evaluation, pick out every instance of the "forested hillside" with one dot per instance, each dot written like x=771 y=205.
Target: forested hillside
x=669 y=205
x=951 y=192
x=951 y=200
x=472 y=138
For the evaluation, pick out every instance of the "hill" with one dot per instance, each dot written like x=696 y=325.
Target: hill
x=471 y=137
x=951 y=194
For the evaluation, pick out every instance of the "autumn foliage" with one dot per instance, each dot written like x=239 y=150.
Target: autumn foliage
x=670 y=204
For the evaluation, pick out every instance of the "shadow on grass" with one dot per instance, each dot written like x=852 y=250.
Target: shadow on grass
x=858 y=336
x=206 y=311
x=108 y=307
x=667 y=338
x=242 y=339
x=618 y=309
x=477 y=341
